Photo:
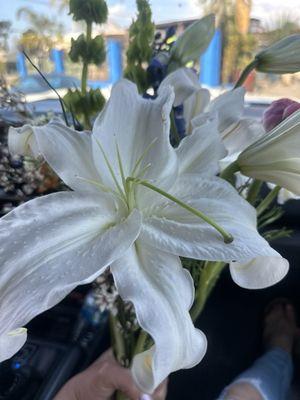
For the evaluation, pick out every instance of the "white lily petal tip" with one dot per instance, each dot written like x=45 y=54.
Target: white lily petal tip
x=260 y=272
x=11 y=342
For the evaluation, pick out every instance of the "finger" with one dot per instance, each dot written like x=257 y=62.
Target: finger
x=161 y=391
x=123 y=381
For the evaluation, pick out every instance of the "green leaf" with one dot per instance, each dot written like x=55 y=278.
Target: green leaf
x=193 y=42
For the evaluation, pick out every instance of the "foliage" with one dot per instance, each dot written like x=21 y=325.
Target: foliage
x=237 y=52
x=139 y=53
x=40 y=37
x=4 y=32
x=92 y=51
x=86 y=103
x=284 y=25
x=89 y=11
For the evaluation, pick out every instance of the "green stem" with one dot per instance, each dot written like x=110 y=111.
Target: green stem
x=228 y=173
x=85 y=67
x=141 y=342
x=117 y=339
x=253 y=191
x=267 y=200
x=121 y=396
x=228 y=238
x=207 y=280
x=250 y=67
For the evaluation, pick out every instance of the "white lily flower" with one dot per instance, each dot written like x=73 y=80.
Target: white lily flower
x=126 y=212
x=275 y=157
x=236 y=132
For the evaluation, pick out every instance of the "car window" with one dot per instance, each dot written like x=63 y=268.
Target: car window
x=55 y=81
x=31 y=84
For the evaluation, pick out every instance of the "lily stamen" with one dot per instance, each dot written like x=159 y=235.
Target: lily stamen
x=145 y=152
x=228 y=238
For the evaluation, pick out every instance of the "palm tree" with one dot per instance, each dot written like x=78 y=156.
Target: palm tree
x=40 y=37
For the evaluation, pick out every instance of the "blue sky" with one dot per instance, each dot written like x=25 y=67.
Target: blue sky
x=122 y=11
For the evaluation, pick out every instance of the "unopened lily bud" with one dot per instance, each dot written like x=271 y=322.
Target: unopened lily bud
x=276 y=156
x=278 y=111
x=193 y=42
x=283 y=57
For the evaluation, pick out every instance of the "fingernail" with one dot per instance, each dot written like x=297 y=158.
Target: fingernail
x=145 y=397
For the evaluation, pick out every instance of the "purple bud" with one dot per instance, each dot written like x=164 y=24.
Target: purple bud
x=278 y=111
x=295 y=106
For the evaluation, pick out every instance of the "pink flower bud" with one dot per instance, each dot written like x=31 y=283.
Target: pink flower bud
x=291 y=109
x=278 y=111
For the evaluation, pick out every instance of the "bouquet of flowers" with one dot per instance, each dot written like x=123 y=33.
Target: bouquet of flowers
x=161 y=209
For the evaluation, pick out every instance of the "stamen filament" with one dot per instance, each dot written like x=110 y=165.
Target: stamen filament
x=228 y=238
x=110 y=169
x=121 y=168
x=140 y=159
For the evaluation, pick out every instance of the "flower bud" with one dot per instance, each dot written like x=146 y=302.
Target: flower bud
x=193 y=42
x=282 y=57
x=276 y=156
x=278 y=111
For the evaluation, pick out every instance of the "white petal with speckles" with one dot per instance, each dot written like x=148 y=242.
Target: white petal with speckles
x=162 y=293
x=54 y=243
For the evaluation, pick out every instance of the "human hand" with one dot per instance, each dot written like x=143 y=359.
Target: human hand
x=102 y=379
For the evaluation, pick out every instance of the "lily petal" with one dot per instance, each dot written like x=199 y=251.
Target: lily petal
x=229 y=108
x=136 y=125
x=54 y=243
x=201 y=151
x=162 y=293
x=259 y=273
x=69 y=153
x=195 y=105
x=241 y=135
x=21 y=141
x=184 y=82
x=11 y=342
x=171 y=228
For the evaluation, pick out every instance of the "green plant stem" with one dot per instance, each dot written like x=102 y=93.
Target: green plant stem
x=117 y=339
x=228 y=173
x=121 y=396
x=141 y=342
x=85 y=67
x=253 y=191
x=267 y=200
x=207 y=280
x=250 y=67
